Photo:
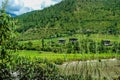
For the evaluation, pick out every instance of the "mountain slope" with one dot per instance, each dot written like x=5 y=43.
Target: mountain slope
x=73 y=16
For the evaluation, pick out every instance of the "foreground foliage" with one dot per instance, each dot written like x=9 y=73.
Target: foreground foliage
x=14 y=67
x=23 y=68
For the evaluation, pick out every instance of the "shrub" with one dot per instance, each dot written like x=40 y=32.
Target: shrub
x=59 y=61
x=25 y=69
x=29 y=46
x=48 y=48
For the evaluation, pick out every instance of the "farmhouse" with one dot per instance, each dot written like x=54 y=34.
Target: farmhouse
x=106 y=42
x=73 y=39
x=62 y=41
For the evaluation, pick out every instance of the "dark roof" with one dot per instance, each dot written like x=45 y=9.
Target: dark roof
x=106 y=42
x=73 y=39
x=61 y=40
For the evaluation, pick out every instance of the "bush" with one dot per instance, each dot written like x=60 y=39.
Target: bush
x=48 y=48
x=59 y=61
x=23 y=68
x=39 y=70
x=69 y=47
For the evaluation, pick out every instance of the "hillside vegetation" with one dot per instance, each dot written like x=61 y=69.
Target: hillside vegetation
x=70 y=17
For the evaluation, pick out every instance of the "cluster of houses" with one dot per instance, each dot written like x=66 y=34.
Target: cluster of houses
x=104 y=42
x=63 y=41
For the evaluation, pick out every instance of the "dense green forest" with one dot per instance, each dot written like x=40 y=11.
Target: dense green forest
x=71 y=17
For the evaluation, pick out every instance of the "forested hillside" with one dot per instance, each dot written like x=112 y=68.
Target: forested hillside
x=70 y=17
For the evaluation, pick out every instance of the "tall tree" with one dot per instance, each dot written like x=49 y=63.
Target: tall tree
x=7 y=25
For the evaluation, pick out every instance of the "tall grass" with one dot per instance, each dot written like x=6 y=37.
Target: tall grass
x=92 y=70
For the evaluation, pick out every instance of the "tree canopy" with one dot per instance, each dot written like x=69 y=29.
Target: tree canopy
x=73 y=16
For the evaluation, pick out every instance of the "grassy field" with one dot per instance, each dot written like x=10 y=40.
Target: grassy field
x=63 y=57
x=69 y=57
